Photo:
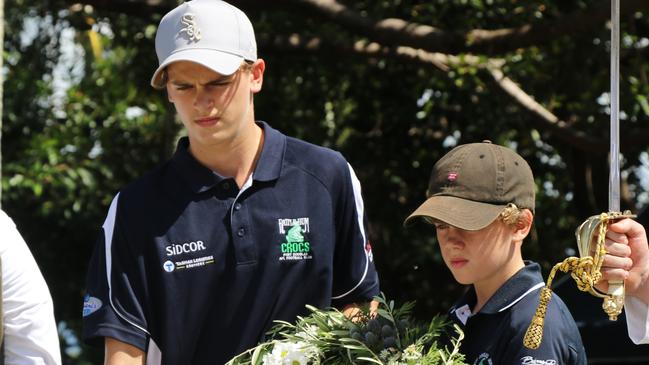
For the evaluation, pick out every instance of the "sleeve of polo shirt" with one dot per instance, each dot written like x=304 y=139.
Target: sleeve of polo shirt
x=355 y=277
x=554 y=349
x=637 y=320
x=561 y=342
x=30 y=335
x=112 y=306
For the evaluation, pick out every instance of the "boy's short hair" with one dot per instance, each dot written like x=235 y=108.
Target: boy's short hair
x=212 y=33
x=163 y=78
x=474 y=183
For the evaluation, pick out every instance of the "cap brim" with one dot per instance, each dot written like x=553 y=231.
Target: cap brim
x=221 y=62
x=457 y=212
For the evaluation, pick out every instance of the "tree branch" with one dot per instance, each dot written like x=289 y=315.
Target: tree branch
x=545 y=119
x=542 y=118
x=398 y=32
x=417 y=42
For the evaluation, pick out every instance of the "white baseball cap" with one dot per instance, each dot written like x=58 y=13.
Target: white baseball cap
x=212 y=33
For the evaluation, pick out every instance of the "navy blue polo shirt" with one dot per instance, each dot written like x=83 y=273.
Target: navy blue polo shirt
x=495 y=334
x=193 y=270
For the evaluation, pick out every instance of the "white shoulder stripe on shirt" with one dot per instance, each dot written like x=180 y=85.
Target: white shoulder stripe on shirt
x=360 y=214
x=109 y=227
x=522 y=296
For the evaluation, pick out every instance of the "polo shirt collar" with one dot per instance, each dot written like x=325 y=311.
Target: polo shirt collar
x=269 y=165
x=200 y=178
x=524 y=282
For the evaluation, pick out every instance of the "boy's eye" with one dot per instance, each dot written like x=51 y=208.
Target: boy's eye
x=220 y=83
x=439 y=225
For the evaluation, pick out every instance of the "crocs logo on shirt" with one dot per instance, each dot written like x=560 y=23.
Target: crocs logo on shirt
x=529 y=360
x=295 y=245
x=283 y=223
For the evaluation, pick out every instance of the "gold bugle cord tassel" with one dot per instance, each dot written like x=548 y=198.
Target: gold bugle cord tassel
x=534 y=333
x=579 y=268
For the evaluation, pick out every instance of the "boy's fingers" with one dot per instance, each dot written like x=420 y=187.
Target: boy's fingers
x=627 y=226
x=617 y=237
x=611 y=274
x=615 y=262
x=615 y=248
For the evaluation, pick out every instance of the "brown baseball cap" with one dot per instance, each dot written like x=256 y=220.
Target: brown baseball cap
x=473 y=183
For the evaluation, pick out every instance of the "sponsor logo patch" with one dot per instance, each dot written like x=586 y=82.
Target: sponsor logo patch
x=169 y=266
x=187 y=249
x=90 y=305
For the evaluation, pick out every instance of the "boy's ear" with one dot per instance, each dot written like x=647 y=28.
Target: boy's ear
x=257 y=75
x=524 y=225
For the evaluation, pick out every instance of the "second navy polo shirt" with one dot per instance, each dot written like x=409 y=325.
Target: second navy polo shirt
x=495 y=334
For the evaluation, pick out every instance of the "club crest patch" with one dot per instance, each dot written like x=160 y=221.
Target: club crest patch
x=295 y=245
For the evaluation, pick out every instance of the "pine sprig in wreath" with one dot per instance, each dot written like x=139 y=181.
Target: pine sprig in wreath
x=328 y=337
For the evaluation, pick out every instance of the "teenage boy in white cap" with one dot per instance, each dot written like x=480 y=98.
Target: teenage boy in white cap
x=481 y=201
x=241 y=227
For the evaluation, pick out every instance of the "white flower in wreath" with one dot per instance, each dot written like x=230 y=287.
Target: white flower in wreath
x=289 y=353
x=412 y=353
x=310 y=332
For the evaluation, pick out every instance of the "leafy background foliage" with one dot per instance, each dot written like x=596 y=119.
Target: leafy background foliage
x=80 y=119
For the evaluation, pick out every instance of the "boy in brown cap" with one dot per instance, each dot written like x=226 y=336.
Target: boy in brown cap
x=481 y=201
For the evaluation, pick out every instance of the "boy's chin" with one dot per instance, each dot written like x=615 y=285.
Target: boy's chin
x=462 y=280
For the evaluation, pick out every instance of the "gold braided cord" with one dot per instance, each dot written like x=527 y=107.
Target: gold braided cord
x=585 y=270
x=534 y=333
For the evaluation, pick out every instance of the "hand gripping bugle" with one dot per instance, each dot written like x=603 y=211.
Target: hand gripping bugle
x=591 y=234
x=585 y=270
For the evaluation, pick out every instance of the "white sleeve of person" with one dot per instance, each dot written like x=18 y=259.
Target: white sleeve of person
x=30 y=335
x=637 y=320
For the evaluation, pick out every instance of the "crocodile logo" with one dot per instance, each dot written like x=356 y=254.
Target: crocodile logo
x=295 y=245
x=294 y=234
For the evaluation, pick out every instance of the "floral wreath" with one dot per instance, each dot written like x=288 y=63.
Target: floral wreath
x=387 y=336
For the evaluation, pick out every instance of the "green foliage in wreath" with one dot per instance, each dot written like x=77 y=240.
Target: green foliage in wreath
x=388 y=337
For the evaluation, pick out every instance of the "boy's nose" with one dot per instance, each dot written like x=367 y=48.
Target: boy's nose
x=203 y=101
x=452 y=237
